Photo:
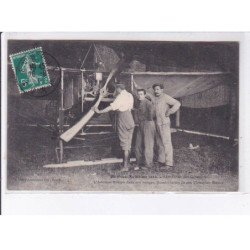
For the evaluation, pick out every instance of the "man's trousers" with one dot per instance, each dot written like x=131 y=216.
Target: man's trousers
x=164 y=144
x=144 y=145
x=125 y=127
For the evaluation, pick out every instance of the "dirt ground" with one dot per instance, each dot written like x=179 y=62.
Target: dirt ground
x=211 y=167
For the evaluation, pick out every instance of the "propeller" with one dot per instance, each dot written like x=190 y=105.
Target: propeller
x=71 y=132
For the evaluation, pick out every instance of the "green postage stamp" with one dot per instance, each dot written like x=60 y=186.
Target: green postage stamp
x=30 y=70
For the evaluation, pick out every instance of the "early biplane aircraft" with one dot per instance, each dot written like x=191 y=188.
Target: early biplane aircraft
x=75 y=91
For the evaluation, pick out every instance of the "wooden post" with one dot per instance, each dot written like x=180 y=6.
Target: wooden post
x=61 y=116
x=177 y=118
x=82 y=92
x=132 y=82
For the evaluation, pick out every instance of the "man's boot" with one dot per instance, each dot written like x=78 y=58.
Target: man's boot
x=125 y=167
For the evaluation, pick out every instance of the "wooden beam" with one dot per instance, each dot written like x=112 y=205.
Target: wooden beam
x=205 y=134
x=99 y=125
x=65 y=125
x=72 y=164
x=178 y=73
x=141 y=73
x=148 y=72
x=91 y=99
x=97 y=133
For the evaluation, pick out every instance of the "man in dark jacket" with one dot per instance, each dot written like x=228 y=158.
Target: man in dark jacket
x=145 y=137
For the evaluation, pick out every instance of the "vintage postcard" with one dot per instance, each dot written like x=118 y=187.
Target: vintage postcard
x=121 y=115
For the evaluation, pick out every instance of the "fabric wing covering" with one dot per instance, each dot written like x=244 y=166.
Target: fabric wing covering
x=194 y=90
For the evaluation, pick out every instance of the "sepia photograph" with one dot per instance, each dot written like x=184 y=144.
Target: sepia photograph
x=122 y=115
x=135 y=112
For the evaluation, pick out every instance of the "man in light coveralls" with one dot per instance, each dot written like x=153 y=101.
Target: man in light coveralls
x=165 y=106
